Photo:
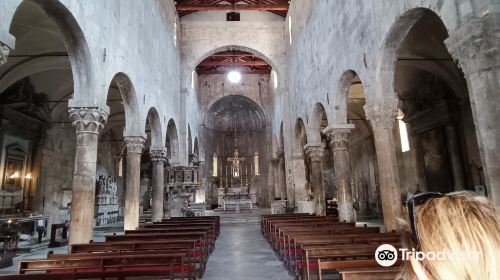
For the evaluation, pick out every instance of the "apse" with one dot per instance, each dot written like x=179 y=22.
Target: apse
x=236 y=142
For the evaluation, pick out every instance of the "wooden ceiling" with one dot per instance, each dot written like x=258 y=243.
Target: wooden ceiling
x=223 y=62
x=185 y=7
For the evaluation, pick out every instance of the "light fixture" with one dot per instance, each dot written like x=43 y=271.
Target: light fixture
x=28 y=176
x=15 y=175
x=234 y=76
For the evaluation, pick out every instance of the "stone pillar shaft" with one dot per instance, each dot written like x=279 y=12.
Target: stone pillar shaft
x=383 y=118
x=135 y=144
x=339 y=138
x=4 y=53
x=315 y=154
x=281 y=177
x=158 y=158
x=455 y=153
x=88 y=123
x=274 y=190
x=475 y=46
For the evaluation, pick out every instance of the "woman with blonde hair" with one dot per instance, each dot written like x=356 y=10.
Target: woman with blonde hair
x=457 y=236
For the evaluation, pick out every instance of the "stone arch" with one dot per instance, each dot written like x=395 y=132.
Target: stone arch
x=172 y=142
x=133 y=126
x=153 y=119
x=243 y=49
x=344 y=85
x=319 y=121
x=396 y=35
x=77 y=47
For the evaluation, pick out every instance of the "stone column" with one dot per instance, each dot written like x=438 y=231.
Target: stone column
x=475 y=46
x=455 y=155
x=281 y=175
x=158 y=157
x=135 y=144
x=339 y=136
x=274 y=190
x=88 y=123
x=4 y=53
x=315 y=154
x=382 y=118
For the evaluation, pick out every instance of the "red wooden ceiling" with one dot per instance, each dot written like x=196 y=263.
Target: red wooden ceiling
x=223 y=62
x=279 y=7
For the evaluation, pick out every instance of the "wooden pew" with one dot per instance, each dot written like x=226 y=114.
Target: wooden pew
x=166 y=265
x=193 y=251
x=358 y=269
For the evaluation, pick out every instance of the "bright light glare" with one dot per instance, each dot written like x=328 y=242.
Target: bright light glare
x=234 y=76
x=403 y=133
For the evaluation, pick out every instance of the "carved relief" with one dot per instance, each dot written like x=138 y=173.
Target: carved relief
x=339 y=138
x=88 y=120
x=382 y=115
x=4 y=53
x=158 y=155
x=315 y=153
x=135 y=144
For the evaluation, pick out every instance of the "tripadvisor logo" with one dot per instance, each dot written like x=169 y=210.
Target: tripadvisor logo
x=386 y=255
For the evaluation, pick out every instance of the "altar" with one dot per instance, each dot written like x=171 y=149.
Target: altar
x=236 y=193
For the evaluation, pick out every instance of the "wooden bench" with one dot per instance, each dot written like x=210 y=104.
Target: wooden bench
x=166 y=265
x=365 y=273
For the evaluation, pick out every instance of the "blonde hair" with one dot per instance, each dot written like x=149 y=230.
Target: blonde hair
x=456 y=223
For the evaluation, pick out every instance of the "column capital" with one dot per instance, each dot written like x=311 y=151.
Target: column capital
x=88 y=120
x=4 y=53
x=135 y=144
x=475 y=45
x=382 y=115
x=314 y=151
x=339 y=135
x=158 y=155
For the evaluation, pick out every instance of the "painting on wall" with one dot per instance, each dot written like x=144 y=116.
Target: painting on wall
x=13 y=173
x=435 y=159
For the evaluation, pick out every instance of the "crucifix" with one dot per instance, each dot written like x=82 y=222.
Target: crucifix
x=235 y=164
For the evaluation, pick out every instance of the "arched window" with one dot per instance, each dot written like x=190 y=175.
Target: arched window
x=256 y=163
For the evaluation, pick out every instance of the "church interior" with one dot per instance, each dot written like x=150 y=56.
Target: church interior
x=219 y=129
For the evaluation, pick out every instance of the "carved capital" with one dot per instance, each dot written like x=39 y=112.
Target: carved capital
x=158 y=155
x=339 y=135
x=4 y=53
x=314 y=152
x=135 y=144
x=88 y=120
x=382 y=115
x=475 y=45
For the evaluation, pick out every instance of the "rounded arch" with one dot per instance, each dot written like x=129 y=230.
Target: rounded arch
x=77 y=47
x=133 y=126
x=154 y=122
x=172 y=142
x=319 y=121
x=344 y=84
x=397 y=33
x=238 y=48
x=300 y=135
x=220 y=113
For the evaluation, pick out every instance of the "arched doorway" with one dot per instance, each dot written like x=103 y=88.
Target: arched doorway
x=301 y=189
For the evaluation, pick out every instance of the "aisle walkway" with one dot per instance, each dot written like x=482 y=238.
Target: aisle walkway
x=242 y=253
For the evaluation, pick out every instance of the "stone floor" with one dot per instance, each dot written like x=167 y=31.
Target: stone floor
x=242 y=253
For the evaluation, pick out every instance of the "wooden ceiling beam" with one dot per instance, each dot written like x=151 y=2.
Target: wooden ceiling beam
x=231 y=63
x=212 y=72
x=237 y=7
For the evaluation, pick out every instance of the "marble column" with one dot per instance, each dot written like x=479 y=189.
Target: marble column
x=475 y=46
x=281 y=175
x=158 y=157
x=339 y=136
x=88 y=123
x=135 y=144
x=382 y=118
x=455 y=155
x=315 y=154
x=4 y=53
